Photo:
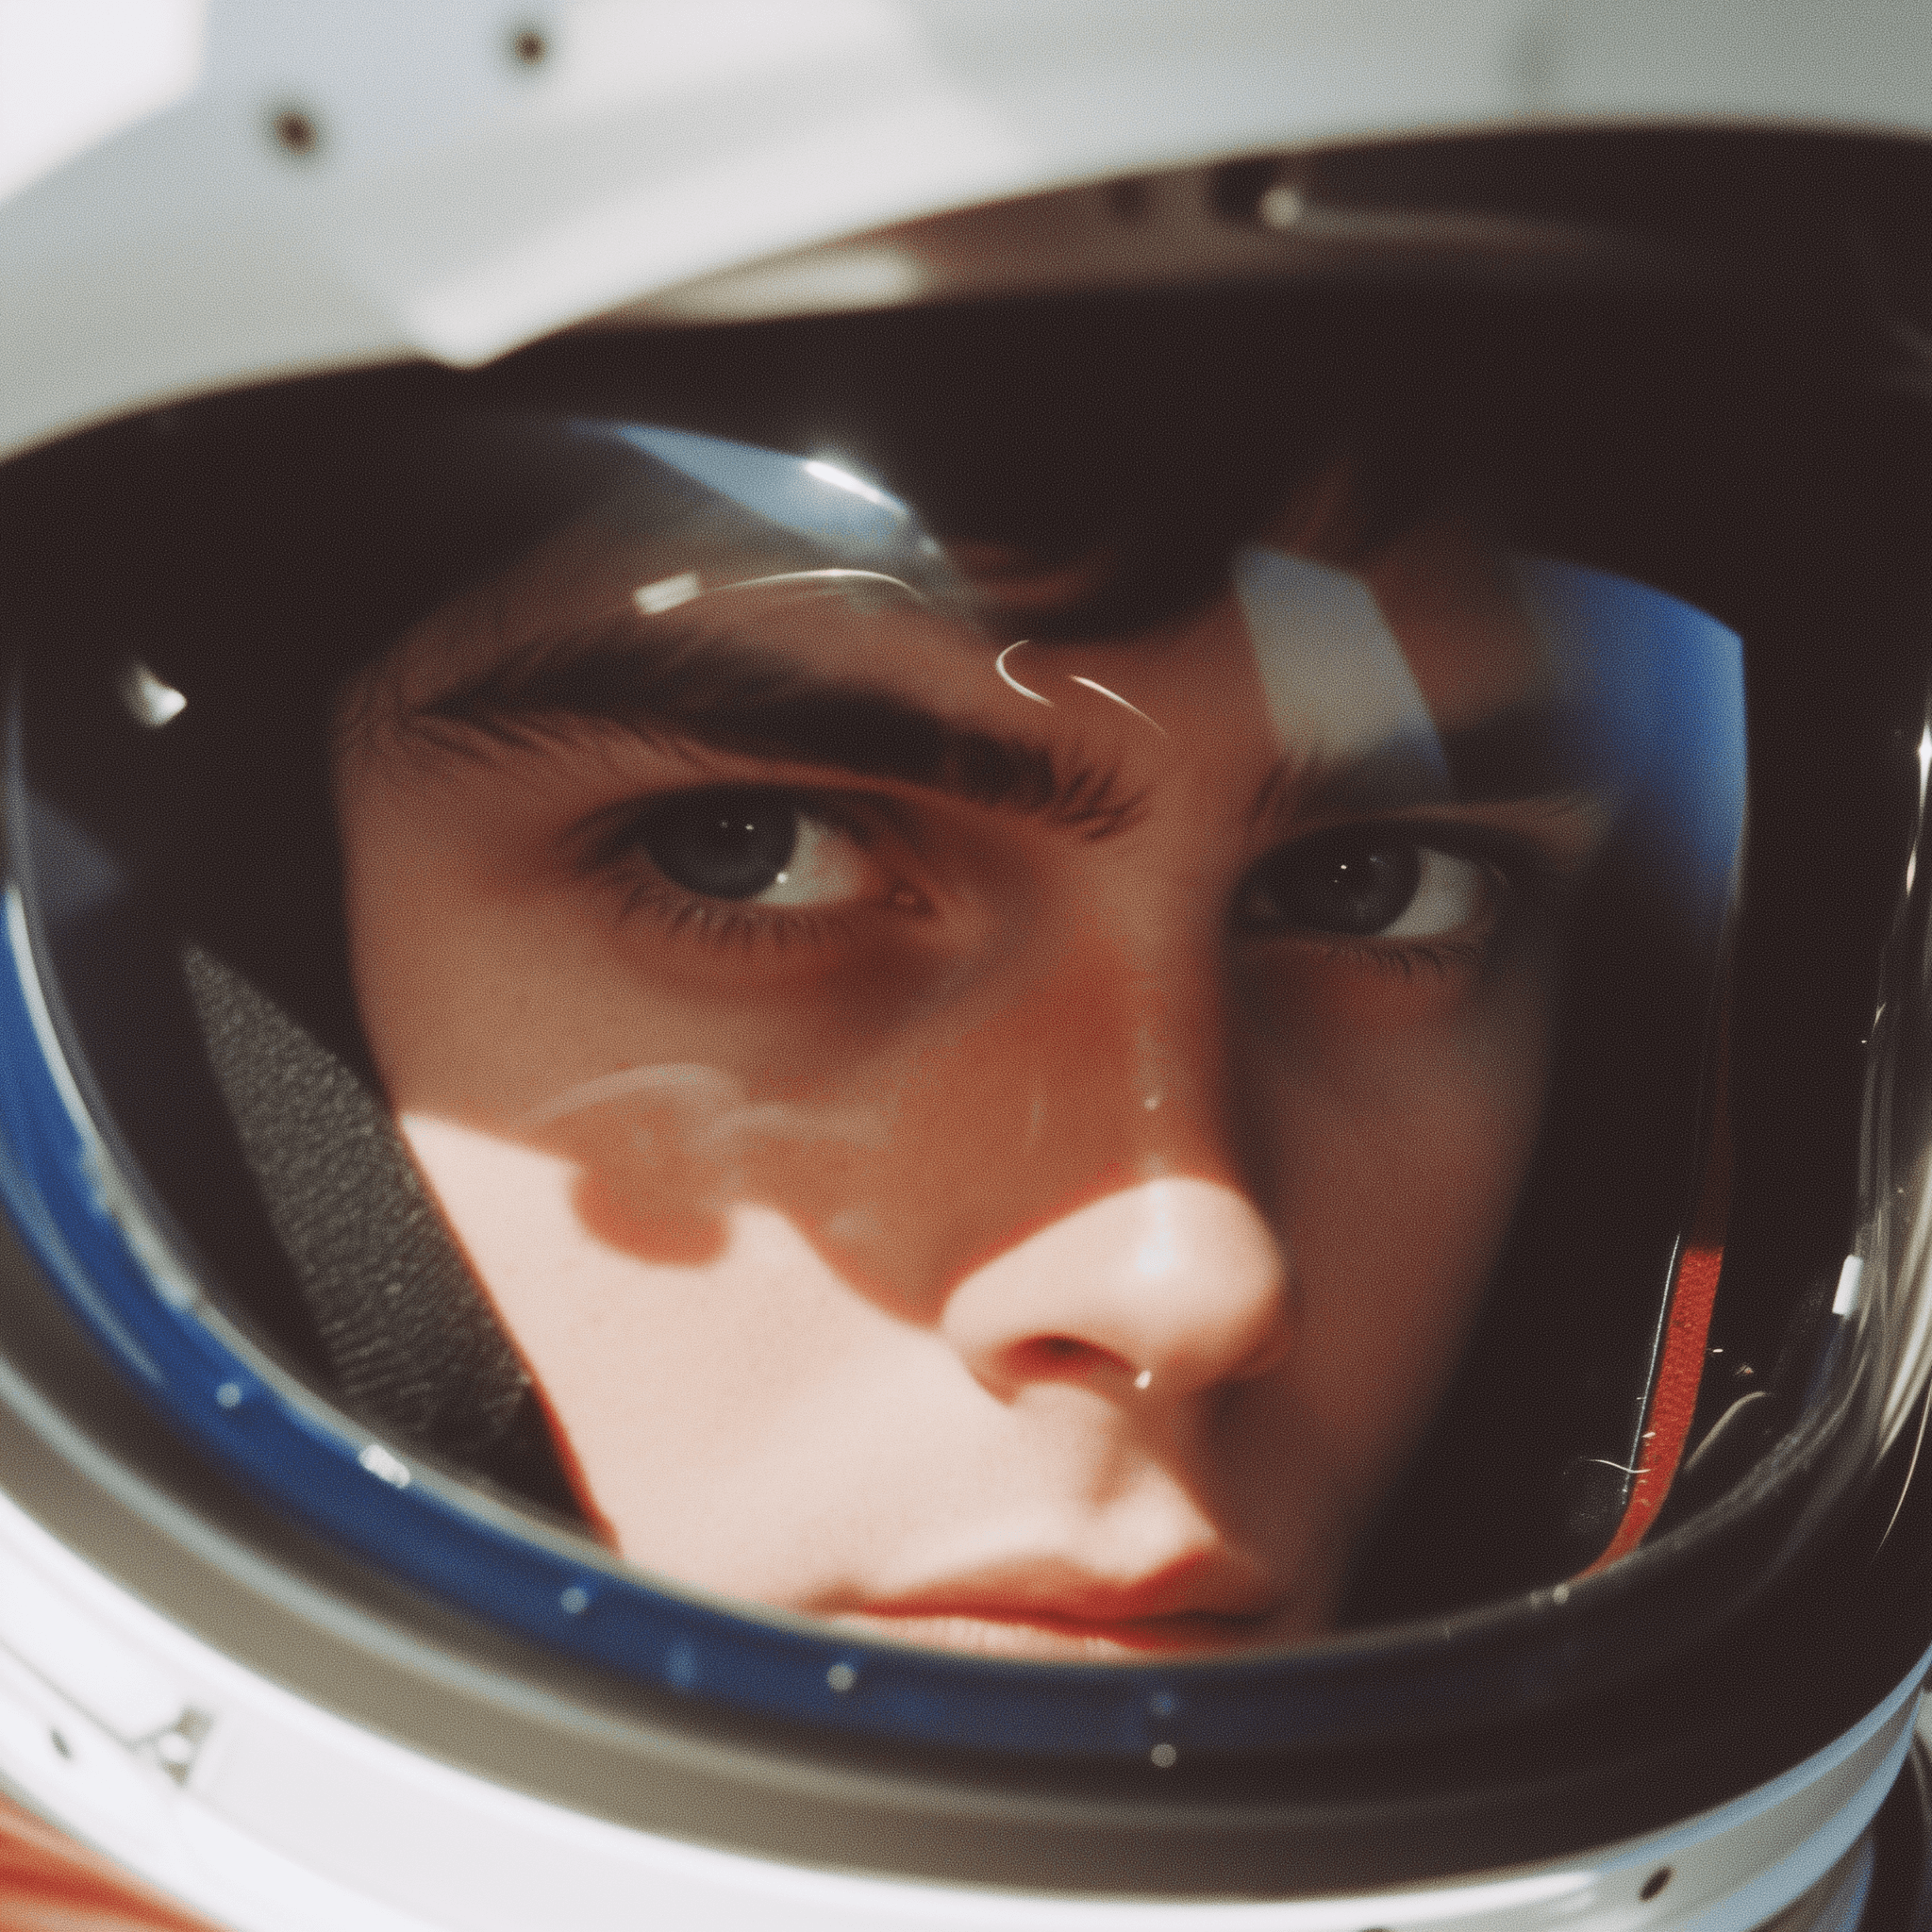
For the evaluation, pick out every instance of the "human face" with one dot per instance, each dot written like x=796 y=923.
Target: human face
x=1000 y=1144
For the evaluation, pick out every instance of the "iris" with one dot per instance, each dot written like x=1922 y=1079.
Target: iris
x=721 y=844
x=1360 y=884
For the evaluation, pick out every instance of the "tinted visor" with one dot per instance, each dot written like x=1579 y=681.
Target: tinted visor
x=1086 y=1017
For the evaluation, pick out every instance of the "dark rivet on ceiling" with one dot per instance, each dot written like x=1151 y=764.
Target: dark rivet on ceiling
x=296 y=130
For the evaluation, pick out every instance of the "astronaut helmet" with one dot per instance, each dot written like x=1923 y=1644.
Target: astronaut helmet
x=964 y=966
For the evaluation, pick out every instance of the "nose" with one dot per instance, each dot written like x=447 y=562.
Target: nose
x=1170 y=1286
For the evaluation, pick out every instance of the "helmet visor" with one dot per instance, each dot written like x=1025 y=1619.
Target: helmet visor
x=1086 y=1037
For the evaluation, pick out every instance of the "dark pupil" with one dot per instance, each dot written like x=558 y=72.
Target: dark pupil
x=723 y=844
x=1355 y=888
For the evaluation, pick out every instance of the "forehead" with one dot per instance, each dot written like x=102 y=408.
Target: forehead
x=1340 y=658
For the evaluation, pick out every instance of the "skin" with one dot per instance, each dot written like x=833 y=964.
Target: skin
x=994 y=1236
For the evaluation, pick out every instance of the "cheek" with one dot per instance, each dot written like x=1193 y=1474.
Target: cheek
x=886 y=1178
x=709 y=1409
x=468 y=994
x=601 y=1332
x=1415 y=1136
x=661 y=1160
x=1451 y=1059
x=904 y=1153
x=1395 y=1156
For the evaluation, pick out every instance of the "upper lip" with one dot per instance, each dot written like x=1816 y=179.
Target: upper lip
x=1056 y=1591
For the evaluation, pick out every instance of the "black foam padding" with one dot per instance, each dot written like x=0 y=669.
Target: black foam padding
x=409 y=1337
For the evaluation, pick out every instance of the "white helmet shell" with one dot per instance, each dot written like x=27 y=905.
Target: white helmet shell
x=278 y=186
x=195 y=199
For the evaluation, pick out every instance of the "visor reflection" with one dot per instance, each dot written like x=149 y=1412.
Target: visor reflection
x=1002 y=1140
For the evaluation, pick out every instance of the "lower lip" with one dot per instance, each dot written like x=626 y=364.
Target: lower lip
x=1065 y=1640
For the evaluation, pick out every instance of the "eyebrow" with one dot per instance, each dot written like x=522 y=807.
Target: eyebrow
x=738 y=696
x=1530 y=752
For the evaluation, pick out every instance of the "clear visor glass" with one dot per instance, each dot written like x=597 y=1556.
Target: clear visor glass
x=1006 y=1131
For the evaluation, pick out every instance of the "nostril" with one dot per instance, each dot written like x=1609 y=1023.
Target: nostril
x=1057 y=1359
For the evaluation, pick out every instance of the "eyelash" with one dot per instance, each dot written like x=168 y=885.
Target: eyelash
x=1408 y=957
x=722 y=925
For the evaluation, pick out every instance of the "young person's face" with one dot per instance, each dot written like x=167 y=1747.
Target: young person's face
x=1004 y=1149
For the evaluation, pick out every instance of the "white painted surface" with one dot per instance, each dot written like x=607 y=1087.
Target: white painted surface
x=458 y=203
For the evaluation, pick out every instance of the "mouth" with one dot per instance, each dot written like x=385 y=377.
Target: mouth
x=1187 y=1610
x=1029 y=1633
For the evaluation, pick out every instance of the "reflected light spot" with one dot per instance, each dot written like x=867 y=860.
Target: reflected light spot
x=844 y=479
x=1007 y=677
x=1159 y=1251
x=667 y=593
x=824 y=580
x=1122 y=702
x=151 y=702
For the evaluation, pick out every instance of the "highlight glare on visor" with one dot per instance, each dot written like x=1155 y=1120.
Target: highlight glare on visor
x=947 y=1115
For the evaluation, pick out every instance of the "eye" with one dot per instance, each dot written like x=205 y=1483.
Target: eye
x=748 y=845
x=1364 y=885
